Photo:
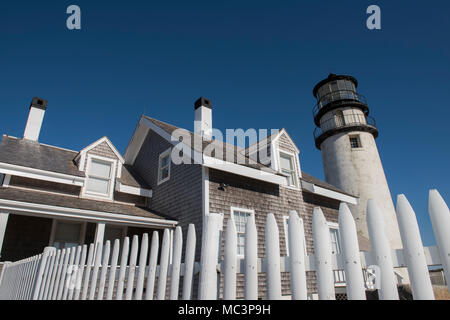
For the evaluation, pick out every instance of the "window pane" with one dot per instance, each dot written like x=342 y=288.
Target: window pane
x=164 y=161
x=334 y=240
x=164 y=173
x=285 y=162
x=240 y=219
x=98 y=185
x=100 y=169
x=355 y=142
x=289 y=178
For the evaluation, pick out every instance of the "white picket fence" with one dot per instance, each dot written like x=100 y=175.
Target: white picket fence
x=82 y=273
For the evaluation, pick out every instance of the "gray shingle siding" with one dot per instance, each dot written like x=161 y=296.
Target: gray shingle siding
x=263 y=198
x=181 y=195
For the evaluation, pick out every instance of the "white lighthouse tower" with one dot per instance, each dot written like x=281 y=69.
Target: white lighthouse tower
x=346 y=136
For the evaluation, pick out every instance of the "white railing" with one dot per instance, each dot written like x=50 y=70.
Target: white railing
x=81 y=273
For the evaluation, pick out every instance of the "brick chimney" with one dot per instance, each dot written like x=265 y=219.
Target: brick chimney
x=35 y=118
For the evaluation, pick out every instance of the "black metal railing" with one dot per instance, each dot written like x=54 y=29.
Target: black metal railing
x=342 y=121
x=339 y=95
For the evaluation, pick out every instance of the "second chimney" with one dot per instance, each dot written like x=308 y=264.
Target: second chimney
x=203 y=118
x=35 y=118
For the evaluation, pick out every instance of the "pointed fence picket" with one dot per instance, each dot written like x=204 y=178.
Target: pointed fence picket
x=296 y=236
x=350 y=254
x=164 y=264
x=413 y=251
x=322 y=250
x=142 y=261
x=273 y=273
x=229 y=263
x=93 y=272
x=251 y=260
x=150 y=288
x=175 y=275
x=112 y=274
x=381 y=252
x=189 y=263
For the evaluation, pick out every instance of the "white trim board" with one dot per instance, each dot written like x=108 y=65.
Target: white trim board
x=83 y=215
x=136 y=141
x=133 y=190
x=329 y=193
x=32 y=173
x=242 y=170
x=89 y=194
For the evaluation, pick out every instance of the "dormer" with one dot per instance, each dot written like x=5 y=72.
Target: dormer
x=281 y=155
x=285 y=158
x=102 y=165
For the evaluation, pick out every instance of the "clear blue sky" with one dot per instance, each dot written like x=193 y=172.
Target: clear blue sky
x=256 y=60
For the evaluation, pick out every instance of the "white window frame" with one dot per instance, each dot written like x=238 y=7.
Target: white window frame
x=286 y=237
x=294 y=159
x=334 y=225
x=358 y=139
x=337 y=273
x=251 y=212
x=55 y=226
x=162 y=155
x=90 y=194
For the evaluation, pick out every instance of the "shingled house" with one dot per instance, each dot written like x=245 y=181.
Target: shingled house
x=53 y=196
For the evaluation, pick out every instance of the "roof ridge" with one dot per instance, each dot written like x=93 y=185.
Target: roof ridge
x=39 y=143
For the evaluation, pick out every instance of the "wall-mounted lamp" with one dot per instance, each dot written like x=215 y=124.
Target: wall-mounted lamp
x=223 y=186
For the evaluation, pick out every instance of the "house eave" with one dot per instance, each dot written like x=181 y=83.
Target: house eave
x=329 y=193
x=32 y=173
x=43 y=210
x=134 y=190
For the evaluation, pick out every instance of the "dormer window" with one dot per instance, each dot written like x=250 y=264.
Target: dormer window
x=100 y=177
x=287 y=167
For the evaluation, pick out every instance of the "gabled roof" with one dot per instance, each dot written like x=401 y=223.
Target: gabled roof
x=98 y=142
x=269 y=139
x=30 y=154
x=227 y=148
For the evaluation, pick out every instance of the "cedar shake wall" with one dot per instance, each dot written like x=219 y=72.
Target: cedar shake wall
x=263 y=198
x=179 y=197
x=285 y=144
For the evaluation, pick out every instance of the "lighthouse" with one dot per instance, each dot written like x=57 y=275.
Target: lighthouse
x=345 y=134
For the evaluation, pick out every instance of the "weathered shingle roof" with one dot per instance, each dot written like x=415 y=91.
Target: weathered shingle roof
x=131 y=178
x=76 y=203
x=34 y=155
